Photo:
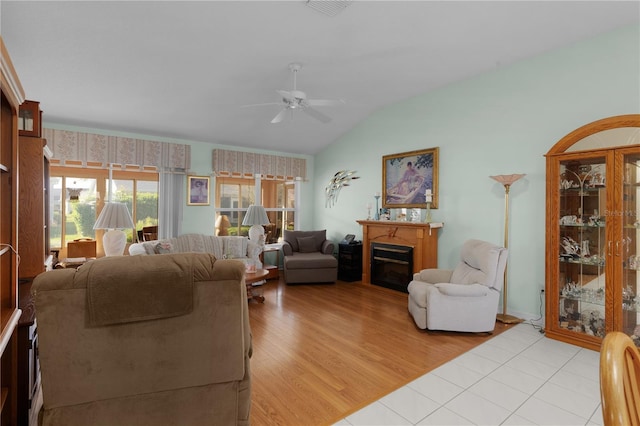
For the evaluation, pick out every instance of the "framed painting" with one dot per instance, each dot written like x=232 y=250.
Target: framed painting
x=406 y=178
x=197 y=190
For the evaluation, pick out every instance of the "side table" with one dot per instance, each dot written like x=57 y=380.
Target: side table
x=350 y=262
x=273 y=269
x=250 y=278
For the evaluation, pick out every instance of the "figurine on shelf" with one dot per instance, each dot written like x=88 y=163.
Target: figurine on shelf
x=571 y=248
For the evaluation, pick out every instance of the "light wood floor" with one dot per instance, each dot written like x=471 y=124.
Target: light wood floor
x=321 y=352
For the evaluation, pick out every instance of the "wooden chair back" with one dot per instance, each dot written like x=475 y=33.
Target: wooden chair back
x=150 y=233
x=620 y=380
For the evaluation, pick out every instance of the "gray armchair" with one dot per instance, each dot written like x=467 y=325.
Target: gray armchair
x=308 y=257
x=463 y=299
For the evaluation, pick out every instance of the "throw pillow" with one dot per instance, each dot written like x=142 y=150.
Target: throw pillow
x=307 y=245
x=162 y=248
x=234 y=248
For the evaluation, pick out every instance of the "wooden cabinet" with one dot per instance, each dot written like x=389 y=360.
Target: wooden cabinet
x=33 y=238
x=11 y=97
x=28 y=363
x=593 y=233
x=32 y=220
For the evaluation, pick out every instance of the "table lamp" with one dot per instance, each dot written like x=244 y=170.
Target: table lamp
x=222 y=225
x=115 y=217
x=256 y=217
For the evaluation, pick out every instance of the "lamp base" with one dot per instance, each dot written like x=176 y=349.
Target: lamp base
x=114 y=242
x=256 y=234
x=508 y=319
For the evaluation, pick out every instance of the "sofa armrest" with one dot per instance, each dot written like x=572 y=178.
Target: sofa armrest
x=327 y=247
x=287 y=250
x=433 y=276
x=136 y=249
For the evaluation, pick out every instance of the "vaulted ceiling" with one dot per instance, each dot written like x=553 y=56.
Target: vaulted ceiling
x=184 y=70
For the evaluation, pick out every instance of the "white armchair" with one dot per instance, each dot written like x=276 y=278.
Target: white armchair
x=463 y=299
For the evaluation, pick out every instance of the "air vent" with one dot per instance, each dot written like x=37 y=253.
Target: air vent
x=329 y=7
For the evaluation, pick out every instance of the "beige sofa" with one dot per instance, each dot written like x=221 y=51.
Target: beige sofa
x=145 y=340
x=222 y=247
x=308 y=257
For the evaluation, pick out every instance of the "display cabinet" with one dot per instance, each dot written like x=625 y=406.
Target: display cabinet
x=33 y=195
x=593 y=233
x=11 y=97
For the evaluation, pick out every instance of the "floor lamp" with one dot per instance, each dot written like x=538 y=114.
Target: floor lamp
x=506 y=181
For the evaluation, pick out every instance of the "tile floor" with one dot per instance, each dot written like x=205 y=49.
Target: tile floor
x=519 y=377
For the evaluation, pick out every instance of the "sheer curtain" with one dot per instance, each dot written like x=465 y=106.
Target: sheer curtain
x=171 y=193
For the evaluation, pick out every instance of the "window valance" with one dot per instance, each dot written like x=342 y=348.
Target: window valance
x=229 y=163
x=89 y=148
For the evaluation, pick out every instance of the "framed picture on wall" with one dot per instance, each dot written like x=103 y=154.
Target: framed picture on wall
x=408 y=177
x=197 y=190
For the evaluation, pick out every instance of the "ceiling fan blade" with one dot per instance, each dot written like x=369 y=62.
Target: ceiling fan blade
x=317 y=114
x=325 y=102
x=278 y=118
x=263 y=104
x=285 y=95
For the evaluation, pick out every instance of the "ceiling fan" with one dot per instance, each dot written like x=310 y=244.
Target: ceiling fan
x=297 y=99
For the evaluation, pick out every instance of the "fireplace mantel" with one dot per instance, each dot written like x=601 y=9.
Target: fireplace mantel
x=420 y=236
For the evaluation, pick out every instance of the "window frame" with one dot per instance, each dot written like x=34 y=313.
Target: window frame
x=101 y=175
x=258 y=194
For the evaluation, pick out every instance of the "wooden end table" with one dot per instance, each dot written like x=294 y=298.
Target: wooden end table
x=251 y=278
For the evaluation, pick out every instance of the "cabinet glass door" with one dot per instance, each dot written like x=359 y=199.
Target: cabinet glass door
x=629 y=299
x=583 y=246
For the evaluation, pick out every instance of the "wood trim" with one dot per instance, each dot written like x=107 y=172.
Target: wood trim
x=629 y=120
x=10 y=83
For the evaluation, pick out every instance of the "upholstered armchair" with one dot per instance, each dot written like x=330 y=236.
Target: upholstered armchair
x=465 y=298
x=308 y=257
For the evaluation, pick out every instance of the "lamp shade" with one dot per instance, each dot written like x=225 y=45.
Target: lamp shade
x=114 y=216
x=222 y=225
x=507 y=179
x=256 y=217
x=223 y=221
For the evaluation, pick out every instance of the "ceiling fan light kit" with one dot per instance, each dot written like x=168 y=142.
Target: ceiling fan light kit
x=297 y=99
x=328 y=7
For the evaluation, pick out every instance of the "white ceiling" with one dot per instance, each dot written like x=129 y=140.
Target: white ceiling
x=183 y=69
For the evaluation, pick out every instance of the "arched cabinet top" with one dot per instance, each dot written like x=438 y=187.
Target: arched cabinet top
x=617 y=131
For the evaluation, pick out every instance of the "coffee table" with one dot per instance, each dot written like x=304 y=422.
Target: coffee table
x=251 y=278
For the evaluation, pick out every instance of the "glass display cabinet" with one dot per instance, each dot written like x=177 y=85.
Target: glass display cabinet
x=593 y=230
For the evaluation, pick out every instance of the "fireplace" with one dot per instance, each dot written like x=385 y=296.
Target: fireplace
x=422 y=237
x=391 y=266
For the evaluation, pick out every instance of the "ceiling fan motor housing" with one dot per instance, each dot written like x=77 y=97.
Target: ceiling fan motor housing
x=298 y=95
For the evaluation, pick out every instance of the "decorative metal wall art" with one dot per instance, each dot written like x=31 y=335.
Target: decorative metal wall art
x=336 y=183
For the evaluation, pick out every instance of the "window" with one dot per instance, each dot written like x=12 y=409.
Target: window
x=77 y=196
x=234 y=195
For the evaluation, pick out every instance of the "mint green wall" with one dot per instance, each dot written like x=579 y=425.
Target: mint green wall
x=501 y=122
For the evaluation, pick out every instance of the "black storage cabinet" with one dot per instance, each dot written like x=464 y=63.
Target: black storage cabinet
x=350 y=262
